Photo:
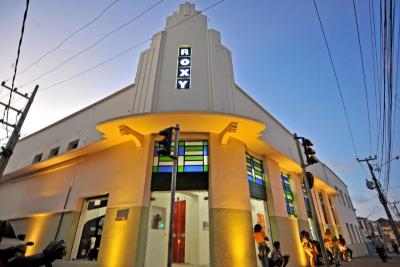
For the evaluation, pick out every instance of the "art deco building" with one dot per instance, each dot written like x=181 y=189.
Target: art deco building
x=95 y=180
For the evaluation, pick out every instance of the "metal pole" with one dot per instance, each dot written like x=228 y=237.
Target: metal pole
x=382 y=198
x=5 y=157
x=173 y=189
x=395 y=207
x=313 y=211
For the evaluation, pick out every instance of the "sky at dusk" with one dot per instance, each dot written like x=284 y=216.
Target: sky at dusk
x=278 y=53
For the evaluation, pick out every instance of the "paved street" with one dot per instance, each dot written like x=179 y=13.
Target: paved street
x=372 y=261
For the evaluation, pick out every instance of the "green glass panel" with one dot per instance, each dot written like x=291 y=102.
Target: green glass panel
x=165 y=158
x=205 y=168
x=193 y=158
x=194 y=148
x=180 y=168
x=155 y=169
x=181 y=143
x=258 y=173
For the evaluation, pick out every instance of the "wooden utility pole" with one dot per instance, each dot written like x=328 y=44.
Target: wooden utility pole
x=382 y=197
x=7 y=151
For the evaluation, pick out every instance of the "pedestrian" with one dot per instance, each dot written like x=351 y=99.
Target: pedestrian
x=379 y=247
x=345 y=252
x=261 y=239
x=331 y=244
x=309 y=248
x=277 y=258
x=395 y=246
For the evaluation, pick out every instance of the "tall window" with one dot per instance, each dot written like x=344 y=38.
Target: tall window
x=192 y=157
x=321 y=200
x=287 y=191
x=255 y=170
x=332 y=209
x=306 y=199
x=341 y=194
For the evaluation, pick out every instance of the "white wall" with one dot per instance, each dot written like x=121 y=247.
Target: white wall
x=80 y=125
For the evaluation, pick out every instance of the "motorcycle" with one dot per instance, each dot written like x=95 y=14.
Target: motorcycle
x=13 y=249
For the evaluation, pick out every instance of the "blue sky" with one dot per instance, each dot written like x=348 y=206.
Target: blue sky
x=278 y=54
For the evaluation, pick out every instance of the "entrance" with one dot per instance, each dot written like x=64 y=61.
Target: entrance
x=258 y=214
x=190 y=232
x=87 y=241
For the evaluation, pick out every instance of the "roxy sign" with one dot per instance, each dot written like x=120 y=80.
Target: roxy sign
x=184 y=67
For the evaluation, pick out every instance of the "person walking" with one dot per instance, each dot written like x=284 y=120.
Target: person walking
x=395 y=246
x=379 y=247
x=261 y=239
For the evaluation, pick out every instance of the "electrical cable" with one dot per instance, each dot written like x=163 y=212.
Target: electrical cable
x=337 y=83
x=69 y=37
x=6 y=109
x=363 y=71
x=126 y=50
x=93 y=44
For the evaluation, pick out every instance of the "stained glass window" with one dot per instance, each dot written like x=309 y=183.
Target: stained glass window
x=306 y=200
x=287 y=191
x=255 y=170
x=192 y=157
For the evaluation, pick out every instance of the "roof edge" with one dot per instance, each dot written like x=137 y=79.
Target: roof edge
x=79 y=111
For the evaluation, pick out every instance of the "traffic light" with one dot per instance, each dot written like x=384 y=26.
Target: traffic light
x=310 y=178
x=164 y=146
x=309 y=152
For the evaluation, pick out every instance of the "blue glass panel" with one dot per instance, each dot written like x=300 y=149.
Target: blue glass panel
x=260 y=182
x=250 y=178
x=193 y=168
x=164 y=168
x=181 y=151
x=205 y=150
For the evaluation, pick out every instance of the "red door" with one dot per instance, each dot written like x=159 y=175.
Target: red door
x=178 y=255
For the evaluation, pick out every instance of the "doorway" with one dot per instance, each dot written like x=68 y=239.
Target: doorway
x=190 y=232
x=260 y=216
x=90 y=228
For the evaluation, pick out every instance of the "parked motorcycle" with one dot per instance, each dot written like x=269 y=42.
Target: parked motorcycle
x=13 y=249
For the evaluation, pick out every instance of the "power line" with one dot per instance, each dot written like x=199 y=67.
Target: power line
x=6 y=110
x=363 y=71
x=93 y=44
x=69 y=37
x=337 y=80
x=127 y=50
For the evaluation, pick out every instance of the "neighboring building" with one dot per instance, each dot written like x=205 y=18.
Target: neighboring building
x=386 y=228
x=94 y=179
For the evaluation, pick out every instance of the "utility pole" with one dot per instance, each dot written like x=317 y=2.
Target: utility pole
x=376 y=185
x=7 y=151
x=308 y=189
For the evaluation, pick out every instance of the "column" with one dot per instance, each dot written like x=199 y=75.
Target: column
x=231 y=240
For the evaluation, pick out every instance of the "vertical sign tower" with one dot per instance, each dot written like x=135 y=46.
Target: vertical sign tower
x=184 y=67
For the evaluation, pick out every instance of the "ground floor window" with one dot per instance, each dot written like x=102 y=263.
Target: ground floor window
x=90 y=229
x=190 y=232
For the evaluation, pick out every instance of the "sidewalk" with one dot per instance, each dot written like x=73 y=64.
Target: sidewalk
x=372 y=261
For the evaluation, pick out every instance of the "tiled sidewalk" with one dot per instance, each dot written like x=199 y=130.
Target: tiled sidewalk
x=372 y=261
